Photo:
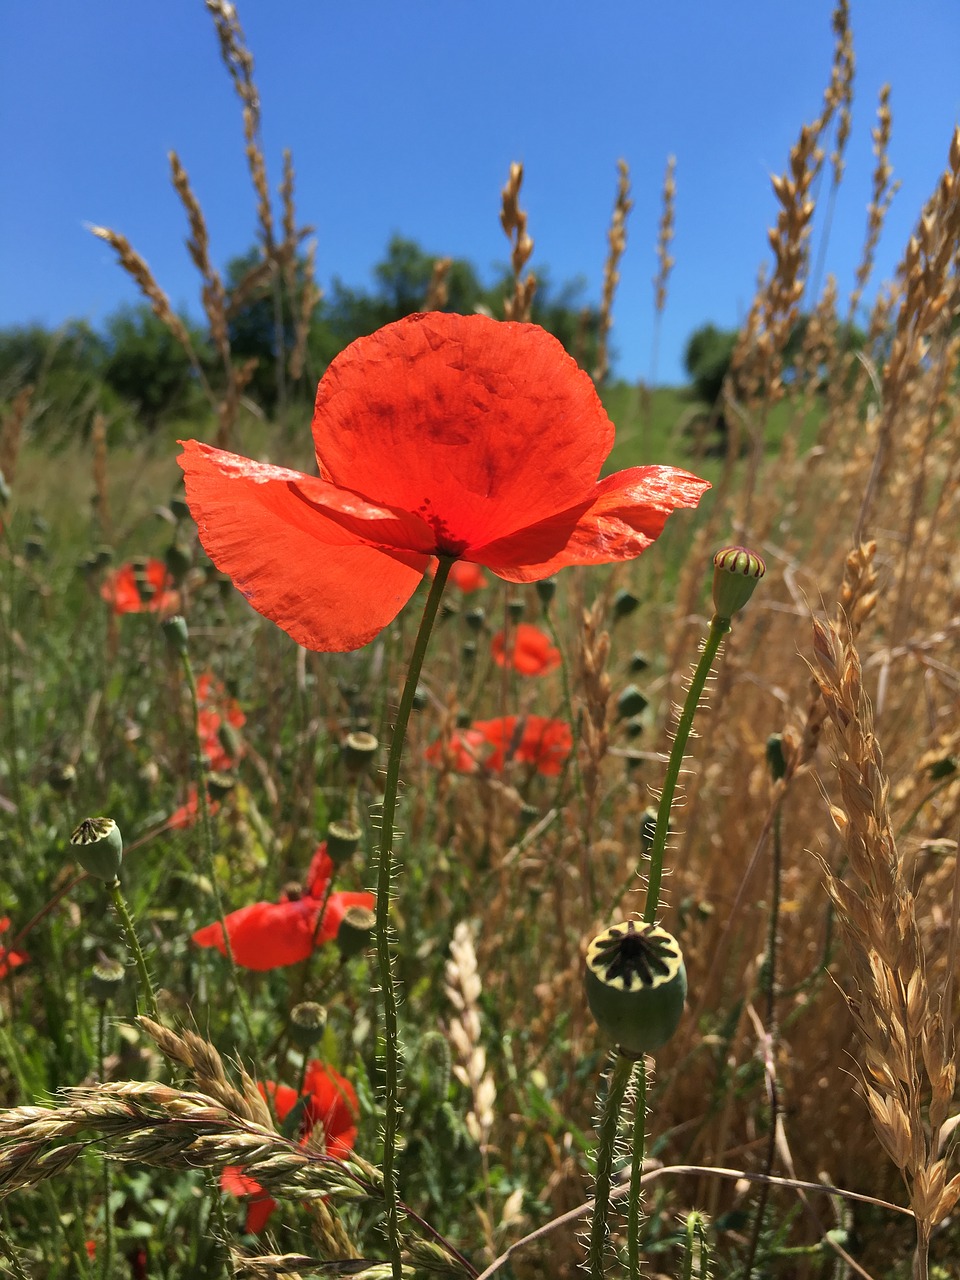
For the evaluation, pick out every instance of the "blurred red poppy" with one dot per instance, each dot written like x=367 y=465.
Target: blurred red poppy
x=217 y=708
x=330 y=1114
x=10 y=959
x=490 y=744
x=186 y=816
x=466 y=577
x=270 y=935
x=530 y=651
x=440 y=434
x=123 y=589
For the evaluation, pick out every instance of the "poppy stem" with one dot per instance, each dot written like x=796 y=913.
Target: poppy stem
x=391 y=1053
x=718 y=629
x=133 y=943
x=617 y=1081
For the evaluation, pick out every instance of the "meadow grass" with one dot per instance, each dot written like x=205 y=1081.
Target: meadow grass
x=800 y=1122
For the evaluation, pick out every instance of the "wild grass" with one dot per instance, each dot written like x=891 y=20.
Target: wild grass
x=801 y=1121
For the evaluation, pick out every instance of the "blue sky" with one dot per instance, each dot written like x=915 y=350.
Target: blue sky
x=403 y=117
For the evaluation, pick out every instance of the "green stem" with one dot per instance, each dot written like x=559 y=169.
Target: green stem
x=106 y=1262
x=133 y=942
x=634 y=1214
x=384 y=876
x=567 y=700
x=609 y=1124
x=718 y=629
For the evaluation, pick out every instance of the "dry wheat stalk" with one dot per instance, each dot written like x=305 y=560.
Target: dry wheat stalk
x=594 y=687
x=665 y=236
x=436 y=298
x=909 y=1074
x=98 y=437
x=463 y=988
x=616 y=244
x=840 y=92
x=514 y=222
x=883 y=192
x=310 y=298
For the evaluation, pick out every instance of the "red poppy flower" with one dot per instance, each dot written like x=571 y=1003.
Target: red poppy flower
x=121 y=589
x=10 y=959
x=490 y=744
x=530 y=652
x=270 y=935
x=186 y=816
x=331 y=1105
x=440 y=434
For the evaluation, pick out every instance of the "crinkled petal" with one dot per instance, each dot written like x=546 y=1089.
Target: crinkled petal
x=479 y=426
x=627 y=513
x=295 y=562
x=265 y=935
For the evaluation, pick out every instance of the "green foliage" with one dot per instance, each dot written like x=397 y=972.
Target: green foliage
x=147 y=367
x=706 y=359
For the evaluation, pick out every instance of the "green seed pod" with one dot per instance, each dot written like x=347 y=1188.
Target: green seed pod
x=34 y=547
x=475 y=618
x=178 y=560
x=353 y=936
x=179 y=509
x=468 y=653
x=639 y=662
x=433 y=1067
x=634 y=727
x=359 y=752
x=515 y=609
x=308 y=1021
x=219 y=784
x=624 y=603
x=62 y=777
x=420 y=698
x=98 y=847
x=630 y=702
x=103 y=556
x=343 y=839
x=106 y=979
x=176 y=634
x=464 y=720
x=636 y=985
x=546 y=590
x=736 y=572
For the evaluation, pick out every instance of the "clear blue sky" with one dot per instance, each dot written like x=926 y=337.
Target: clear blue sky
x=404 y=115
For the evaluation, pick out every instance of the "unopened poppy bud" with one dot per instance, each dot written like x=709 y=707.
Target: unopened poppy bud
x=106 y=979
x=624 y=603
x=630 y=702
x=736 y=572
x=176 y=634
x=103 y=556
x=634 y=727
x=515 y=610
x=639 y=662
x=178 y=560
x=308 y=1021
x=359 y=751
x=62 y=777
x=98 y=848
x=34 y=548
x=219 y=784
x=776 y=758
x=343 y=839
x=546 y=590
x=468 y=653
x=464 y=720
x=179 y=509
x=475 y=618
x=636 y=985
x=420 y=698
x=353 y=936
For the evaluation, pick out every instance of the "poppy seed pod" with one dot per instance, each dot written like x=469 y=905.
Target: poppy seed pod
x=636 y=985
x=631 y=702
x=106 y=979
x=515 y=609
x=353 y=936
x=99 y=848
x=736 y=572
x=420 y=698
x=546 y=589
x=475 y=618
x=176 y=634
x=62 y=777
x=359 y=751
x=624 y=603
x=308 y=1022
x=342 y=841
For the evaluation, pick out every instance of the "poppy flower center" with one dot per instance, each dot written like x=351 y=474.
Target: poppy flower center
x=632 y=957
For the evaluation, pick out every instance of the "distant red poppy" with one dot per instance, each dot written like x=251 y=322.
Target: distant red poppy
x=122 y=589
x=466 y=577
x=490 y=744
x=217 y=707
x=270 y=935
x=187 y=815
x=530 y=651
x=331 y=1105
x=440 y=434
x=10 y=959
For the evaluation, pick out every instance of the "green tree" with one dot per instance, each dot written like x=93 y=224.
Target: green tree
x=64 y=365
x=706 y=359
x=146 y=366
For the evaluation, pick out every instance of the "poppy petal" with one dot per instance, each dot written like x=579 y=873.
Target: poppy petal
x=258 y=1213
x=628 y=512
x=265 y=935
x=477 y=425
x=294 y=562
